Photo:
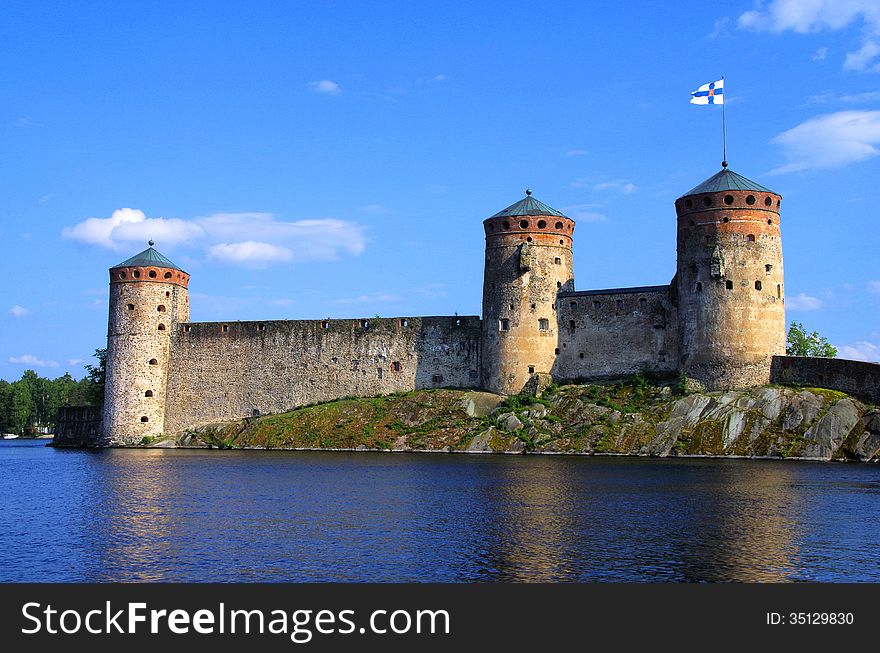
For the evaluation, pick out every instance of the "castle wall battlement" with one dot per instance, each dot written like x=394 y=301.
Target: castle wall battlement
x=227 y=370
x=612 y=333
x=854 y=377
x=719 y=322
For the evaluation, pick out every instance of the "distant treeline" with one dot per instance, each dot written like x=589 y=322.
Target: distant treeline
x=32 y=402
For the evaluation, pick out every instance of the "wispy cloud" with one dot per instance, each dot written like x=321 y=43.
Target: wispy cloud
x=830 y=141
x=250 y=253
x=27 y=121
x=867 y=96
x=803 y=302
x=874 y=286
x=325 y=86
x=33 y=361
x=864 y=59
x=74 y=361
x=367 y=299
x=249 y=239
x=721 y=28
x=583 y=213
x=19 y=311
x=830 y=97
x=820 y=54
x=432 y=290
x=575 y=153
x=860 y=351
x=805 y=17
x=621 y=185
x=375 y=209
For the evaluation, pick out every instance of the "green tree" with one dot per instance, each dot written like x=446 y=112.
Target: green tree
x=6 y=390
x=95 y=379
x=23 y=407
x=801 y=343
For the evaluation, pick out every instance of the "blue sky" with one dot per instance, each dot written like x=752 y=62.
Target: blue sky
x=336 y=159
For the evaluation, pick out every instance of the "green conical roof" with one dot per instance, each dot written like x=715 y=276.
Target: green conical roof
x=148 y=257
x=528 y=206
x=727 y=180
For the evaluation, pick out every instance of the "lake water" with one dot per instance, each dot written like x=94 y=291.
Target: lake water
x=176 y=515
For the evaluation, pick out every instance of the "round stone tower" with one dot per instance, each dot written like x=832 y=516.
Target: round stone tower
x=528 y=262
x=148 y=298
x=729 y=282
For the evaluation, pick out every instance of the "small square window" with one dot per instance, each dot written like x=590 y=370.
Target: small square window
x=504 y=325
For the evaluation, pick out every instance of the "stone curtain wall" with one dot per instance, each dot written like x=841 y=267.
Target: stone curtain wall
x=853 y=377
x=225 y=370
x=78 y=426
x=613 y=333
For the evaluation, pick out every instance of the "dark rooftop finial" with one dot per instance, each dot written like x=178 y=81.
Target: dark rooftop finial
x=724 y=163
x=151 y=243
x=528 y=191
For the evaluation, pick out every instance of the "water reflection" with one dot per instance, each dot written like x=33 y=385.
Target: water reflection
x=131 y=524
x=127 y=515
x=748 y=523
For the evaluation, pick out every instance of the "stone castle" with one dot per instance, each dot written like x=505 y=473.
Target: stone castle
x=719 y=322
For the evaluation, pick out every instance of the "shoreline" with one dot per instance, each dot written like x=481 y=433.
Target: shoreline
x=630 y=417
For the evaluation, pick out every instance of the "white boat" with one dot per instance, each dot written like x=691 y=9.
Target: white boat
x=9 y=436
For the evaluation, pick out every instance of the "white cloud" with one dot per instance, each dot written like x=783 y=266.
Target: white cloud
x=861 y=351
x=250 y=253
x=806 y=16
x=575 y=153
x=820 y=54
x=864 y=58
x=33 y=361
x=803 y=302
x=376 y=209
x=74 y=361
x=811 y=16
x=125 y=226
x=241 y=238
x=830 y=141
x=326 y=86
x=19 y=311
x=307 y=240
x=874 y=286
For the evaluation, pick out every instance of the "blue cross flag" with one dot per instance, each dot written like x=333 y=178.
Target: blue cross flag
x=709 y=93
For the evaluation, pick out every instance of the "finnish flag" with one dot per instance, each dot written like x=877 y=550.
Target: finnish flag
x=709 y=93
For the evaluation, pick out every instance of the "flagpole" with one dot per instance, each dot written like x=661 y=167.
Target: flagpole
x=723 y=126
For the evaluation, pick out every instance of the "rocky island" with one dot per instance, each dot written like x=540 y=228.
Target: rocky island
x=633 y=416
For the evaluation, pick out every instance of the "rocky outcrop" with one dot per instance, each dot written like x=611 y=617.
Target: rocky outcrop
x=626 y=417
